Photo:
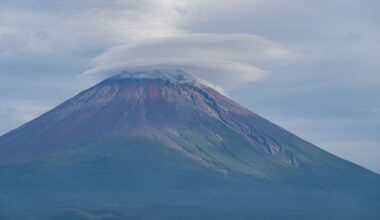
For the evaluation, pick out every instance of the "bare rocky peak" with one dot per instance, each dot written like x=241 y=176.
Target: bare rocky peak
x=167 y=74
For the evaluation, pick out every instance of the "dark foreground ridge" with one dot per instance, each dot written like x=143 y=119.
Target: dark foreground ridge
x=161 y=144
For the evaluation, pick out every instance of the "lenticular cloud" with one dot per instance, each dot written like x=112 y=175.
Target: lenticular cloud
x=225 y=60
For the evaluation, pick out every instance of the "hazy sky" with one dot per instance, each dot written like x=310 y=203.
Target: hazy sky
x=312 y=67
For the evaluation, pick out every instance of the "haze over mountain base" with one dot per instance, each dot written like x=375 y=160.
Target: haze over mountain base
x=159 y=144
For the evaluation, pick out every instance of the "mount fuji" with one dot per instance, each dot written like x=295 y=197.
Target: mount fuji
x=162 y=144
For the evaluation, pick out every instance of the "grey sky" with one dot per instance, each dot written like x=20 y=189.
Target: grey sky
x=310 y=66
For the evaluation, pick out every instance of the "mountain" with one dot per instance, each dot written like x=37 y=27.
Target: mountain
x=162 y=144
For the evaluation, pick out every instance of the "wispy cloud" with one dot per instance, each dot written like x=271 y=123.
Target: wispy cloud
x=43 y=26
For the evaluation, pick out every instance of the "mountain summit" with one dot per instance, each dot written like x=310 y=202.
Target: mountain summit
x=162 y=144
